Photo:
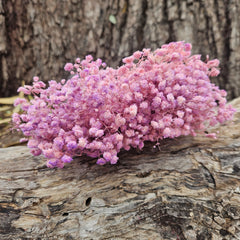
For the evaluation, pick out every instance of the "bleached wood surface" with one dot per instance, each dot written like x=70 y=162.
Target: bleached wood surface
x=190 y=189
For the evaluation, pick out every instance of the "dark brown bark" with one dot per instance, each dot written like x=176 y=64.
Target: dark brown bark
x=187 y=190
x=38 y=37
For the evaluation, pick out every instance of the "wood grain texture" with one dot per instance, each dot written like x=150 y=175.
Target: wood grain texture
x=38 y=37
x=189 y=189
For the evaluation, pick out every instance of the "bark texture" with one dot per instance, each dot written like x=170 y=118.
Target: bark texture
x=187 y=190
x=38 y=37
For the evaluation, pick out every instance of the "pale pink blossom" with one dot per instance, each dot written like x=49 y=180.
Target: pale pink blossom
x=157 y=94
x=181 y=100
x=68 y=67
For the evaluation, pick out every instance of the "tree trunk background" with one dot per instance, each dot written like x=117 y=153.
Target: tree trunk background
x=38 y=37
x=187 y=190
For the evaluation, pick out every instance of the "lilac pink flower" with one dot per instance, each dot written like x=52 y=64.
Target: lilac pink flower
x=157 y=94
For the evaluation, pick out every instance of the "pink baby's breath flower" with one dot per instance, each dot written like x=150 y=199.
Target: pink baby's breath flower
x=176 y=87
x=144 y=105
x=128 y=59
x=223 y=93
x=120 y=120
x=66 y=159
x=99 y=133
x=137 y=54
x=119 y=137
x=72 y=145
x=132 y=110
x=68 y=67
x=82 y=142
x=138 y=96
x=178 y=122
x=180 y=113
x=36 y=152
x=181 y=100
x=24 y=90
x=156 y=102
x=146 y=51
x=161 y=124
x=114 y=160
x=100 y=110
x=188 y=47
x=107 y=114
x=165 y=105
x=166 y=132
x=19 y=101
x=101 y=161
x=170 y=97
x=107 y=156
x=35 y=79
x=89 y=58
x=155 y=124
x=48 y=153
x=58 y=142
x=213 y=63
x=33 y=143
x=214 y=72
x=93 y=131
x=130 y=133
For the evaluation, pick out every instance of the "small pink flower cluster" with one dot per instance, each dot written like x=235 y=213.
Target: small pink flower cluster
x=100 y=110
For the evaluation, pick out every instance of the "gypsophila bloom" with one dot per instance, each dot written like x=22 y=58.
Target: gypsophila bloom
x=100 y=110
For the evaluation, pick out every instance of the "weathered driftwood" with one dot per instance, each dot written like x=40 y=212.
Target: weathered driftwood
x=189 y=189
